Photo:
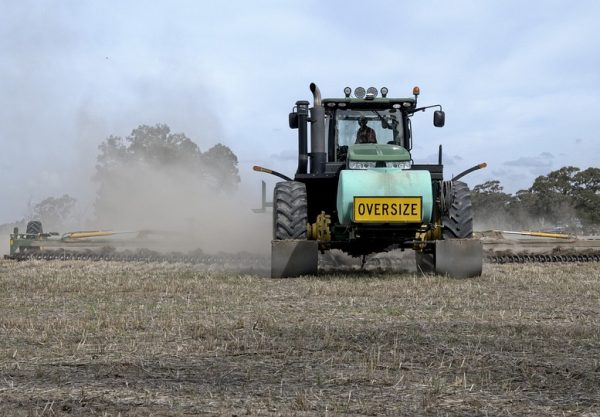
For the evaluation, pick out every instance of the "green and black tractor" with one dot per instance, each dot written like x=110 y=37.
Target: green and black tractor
x=358 y=189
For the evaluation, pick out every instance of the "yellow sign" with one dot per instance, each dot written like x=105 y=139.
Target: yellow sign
x=387 y=210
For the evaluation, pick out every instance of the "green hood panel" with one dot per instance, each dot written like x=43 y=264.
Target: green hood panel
x=377 y=152
x=383 y=182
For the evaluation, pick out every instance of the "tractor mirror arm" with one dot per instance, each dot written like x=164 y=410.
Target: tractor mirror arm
x=426 y=107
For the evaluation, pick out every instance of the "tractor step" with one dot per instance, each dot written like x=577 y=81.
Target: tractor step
x=292 y=258
x=459 y=258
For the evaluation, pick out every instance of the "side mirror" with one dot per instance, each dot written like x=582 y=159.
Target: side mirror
x=293 y=120
x=439 y=118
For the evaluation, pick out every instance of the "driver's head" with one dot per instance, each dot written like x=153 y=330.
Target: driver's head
x=362 y=121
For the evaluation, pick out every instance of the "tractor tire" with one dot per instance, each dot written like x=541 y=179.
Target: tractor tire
x=34 y=227
x=457 y=224
x=289 y=211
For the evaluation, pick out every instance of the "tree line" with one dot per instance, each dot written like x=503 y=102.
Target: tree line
x=124 y=164
x=568 y=198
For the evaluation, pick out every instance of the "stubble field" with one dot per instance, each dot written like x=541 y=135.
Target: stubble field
x=110 y=338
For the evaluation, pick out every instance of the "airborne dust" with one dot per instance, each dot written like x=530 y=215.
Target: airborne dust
x=180 y=207
x=185 y=211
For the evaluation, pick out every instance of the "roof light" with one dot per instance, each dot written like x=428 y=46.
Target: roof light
x=416 y=91
x=359 y=92
x=347 y=91
x=384 y=92
x=372 y=91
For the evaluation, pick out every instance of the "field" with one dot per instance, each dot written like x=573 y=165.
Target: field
x=109 y=338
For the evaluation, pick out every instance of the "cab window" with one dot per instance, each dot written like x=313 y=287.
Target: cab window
x=387 y=125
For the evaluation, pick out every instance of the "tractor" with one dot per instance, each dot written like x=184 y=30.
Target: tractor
x=359 y=190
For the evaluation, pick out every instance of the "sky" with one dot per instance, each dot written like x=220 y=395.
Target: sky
x=519 y=82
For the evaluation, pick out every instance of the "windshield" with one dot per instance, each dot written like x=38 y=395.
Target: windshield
x=378 y=126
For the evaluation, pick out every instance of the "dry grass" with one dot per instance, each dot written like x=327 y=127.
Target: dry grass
x=101 y=338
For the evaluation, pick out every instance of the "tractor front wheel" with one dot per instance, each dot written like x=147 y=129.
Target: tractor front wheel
x=289 y=211
x=457 y=223
x=292 y=254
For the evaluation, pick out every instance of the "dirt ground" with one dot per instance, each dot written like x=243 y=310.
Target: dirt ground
x=110 y=338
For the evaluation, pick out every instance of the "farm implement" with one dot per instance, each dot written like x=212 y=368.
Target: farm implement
x=107 y=245
x=520 y=247
x=499 y=247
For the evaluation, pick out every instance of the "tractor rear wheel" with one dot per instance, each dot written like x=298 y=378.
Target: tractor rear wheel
x=289 y=211
x=457 y=223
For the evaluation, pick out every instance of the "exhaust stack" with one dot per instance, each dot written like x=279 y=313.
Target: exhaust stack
x=302 y=115
x=317 y=133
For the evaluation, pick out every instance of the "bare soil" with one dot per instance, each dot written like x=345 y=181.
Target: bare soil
x=110 y=338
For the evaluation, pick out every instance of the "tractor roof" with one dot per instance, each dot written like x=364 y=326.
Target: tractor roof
x=363 y=103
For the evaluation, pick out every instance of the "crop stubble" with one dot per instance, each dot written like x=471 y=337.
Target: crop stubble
x=103 y=338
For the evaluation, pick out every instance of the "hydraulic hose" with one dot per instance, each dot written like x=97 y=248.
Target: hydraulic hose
x=468 y=171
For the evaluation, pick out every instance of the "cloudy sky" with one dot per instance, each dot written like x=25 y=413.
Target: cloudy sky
x=519 y=81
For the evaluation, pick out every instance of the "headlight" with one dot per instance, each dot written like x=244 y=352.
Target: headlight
x=398 y=164
x=361 y=164
x=359 y=92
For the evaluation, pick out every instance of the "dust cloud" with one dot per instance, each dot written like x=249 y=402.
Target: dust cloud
x=523 y=220
x=183 y=211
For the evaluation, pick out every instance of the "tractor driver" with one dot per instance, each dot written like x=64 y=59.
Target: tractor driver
x=365 y=134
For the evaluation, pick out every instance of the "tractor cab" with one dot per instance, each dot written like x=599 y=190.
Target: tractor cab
x=387 y=126
x=347 y=119
x=368 y=127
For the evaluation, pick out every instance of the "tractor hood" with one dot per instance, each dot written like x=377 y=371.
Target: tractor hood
x=377 y=152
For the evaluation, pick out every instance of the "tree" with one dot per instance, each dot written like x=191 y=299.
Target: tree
x=54 y=213
x=552 y=196
x=153 y=145
x=153 y=168
x=586 y=193
x=491 y=205
x=221 y=164
x=566 y=197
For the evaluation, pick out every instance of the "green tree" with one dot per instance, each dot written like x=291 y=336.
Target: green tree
x=151 y=161
x=491 y=205
x=155 y=146
x=552 y=197
x=586 y=192
x=221 y=164
x=54 y=213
